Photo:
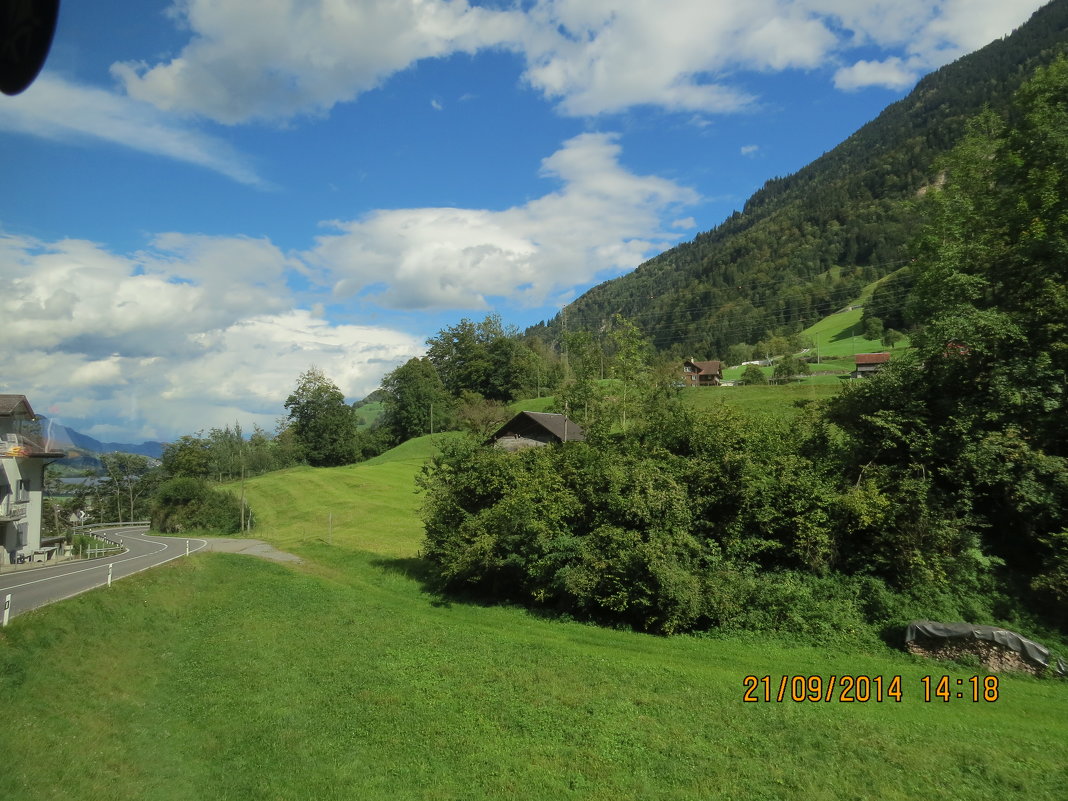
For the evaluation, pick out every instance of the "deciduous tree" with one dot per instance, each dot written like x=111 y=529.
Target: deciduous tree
x=322 y=422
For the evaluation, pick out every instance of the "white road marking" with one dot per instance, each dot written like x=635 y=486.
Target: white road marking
x=165 y=546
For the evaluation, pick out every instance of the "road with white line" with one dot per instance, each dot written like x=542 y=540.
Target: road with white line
x=30 y=589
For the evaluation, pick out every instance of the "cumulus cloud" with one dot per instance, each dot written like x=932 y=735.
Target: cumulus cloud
x=893 y=73
x=926 y=35
x=589 y=57
x=58 y=109
x=603 y=219
x=246 y=61
x=190 y=333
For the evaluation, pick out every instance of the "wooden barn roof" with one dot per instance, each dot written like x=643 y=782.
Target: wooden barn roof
x=872 y=358
x=554 y=424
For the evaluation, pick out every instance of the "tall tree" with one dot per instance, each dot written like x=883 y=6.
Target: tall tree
x=980 y=417
x=127 y=483
x=323 y=423
x=417 y=402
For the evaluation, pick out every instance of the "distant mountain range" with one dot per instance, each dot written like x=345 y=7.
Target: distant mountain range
x=76 y=444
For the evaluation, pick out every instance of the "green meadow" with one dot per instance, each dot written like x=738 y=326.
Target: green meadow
x=223 y=676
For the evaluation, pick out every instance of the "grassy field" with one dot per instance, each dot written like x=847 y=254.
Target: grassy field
x=225 y=677
x=369 y=413
x=768 y=399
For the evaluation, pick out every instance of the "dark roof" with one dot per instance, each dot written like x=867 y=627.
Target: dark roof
x=536 y=422
x=872 y=358
x=707 y=367
x=9 y=404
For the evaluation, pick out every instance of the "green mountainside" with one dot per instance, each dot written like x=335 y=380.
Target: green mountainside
x=805 y=245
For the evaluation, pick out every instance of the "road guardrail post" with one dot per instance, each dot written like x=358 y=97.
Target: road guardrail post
x=7 y=608
x=109 y=573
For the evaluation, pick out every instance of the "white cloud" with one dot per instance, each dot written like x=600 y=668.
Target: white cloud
x=254 y=60
x=436 y=105
x=246 y=62
x=749 y=150
x=191 y=333
x=603 y=219
x=924 y=35
x=893 y=73
x=57 y=109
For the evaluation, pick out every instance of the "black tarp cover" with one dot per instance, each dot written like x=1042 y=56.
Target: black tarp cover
x=1031 y=650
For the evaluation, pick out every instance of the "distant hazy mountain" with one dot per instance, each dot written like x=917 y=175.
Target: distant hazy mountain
x=67 y=439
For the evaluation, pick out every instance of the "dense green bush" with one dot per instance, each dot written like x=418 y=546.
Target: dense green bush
x=181 y=504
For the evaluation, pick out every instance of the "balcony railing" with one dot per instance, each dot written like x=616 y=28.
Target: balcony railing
x=11 y=509
x=20 y=446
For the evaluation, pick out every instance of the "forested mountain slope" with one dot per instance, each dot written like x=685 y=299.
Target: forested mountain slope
x=806 y=244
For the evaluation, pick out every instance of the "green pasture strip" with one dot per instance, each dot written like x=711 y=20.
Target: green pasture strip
x=370 y=412
x=370 y=506
x=840 y=335
x=776 y=400
x=228 y=677
x=531 y=404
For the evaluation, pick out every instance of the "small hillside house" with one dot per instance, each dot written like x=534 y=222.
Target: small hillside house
x=868 y=364
x=702 y=374
x=23 y=456
x=532 y=429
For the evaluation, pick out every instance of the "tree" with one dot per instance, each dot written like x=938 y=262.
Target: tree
x=891 y=337
x=975 y=426
x=127 y=482
x=417 y=402
x=873 y=328
x=789 y=368
x=479 y=416
x=752 y=374
x=188 y=456
x=736 y=354
x=630 y=363
x=322 y=421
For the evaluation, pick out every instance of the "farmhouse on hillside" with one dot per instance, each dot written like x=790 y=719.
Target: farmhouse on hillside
x=531 y=429
x=868 y=364
x=702 y=374
x=23 y=457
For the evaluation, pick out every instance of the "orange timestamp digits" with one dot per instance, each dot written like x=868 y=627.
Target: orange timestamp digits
x=843 y=689
x=862 y=689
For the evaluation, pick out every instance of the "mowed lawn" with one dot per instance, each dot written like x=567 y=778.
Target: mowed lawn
x=226 y=677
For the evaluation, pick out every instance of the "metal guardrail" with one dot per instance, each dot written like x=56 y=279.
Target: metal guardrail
x=91 y=529
x=137 y=523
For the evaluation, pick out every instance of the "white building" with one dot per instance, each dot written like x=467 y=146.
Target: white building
x=23 y=456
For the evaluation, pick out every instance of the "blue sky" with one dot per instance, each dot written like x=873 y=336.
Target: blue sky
x=206 y=197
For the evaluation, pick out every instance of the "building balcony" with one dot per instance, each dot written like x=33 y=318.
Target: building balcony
x=20 y=446
x=10 y=509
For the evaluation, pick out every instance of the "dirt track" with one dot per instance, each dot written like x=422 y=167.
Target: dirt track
x=258 y=548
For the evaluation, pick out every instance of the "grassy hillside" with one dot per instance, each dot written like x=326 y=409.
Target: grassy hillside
x=369 y=506
x=370 y=412
x=221 y=676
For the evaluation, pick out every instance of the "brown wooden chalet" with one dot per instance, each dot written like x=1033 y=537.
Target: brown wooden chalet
x=702 y=374
x=531 y=429
x=868 y=364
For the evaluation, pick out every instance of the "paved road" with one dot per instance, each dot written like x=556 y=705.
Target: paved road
x=30 y=589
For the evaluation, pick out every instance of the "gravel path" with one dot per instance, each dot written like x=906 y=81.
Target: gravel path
x=258 y=548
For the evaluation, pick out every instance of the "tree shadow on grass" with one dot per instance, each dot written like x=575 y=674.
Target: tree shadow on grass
x=421 y=571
